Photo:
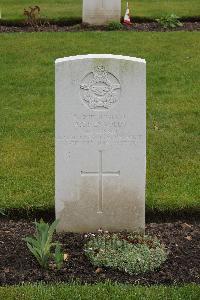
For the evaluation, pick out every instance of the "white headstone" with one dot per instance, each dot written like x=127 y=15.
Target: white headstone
x=100 y=12
x=100 y=143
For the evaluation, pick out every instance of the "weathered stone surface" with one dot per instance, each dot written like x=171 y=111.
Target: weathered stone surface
x=100 y=12
x=100 y=143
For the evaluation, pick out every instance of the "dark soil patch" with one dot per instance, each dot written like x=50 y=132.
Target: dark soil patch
x=150 y=26
x=17 y=265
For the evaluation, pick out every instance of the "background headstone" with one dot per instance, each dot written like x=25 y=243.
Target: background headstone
x=100 y=143
x=100 y=12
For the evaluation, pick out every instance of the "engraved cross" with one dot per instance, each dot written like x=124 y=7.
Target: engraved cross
x=100 y=173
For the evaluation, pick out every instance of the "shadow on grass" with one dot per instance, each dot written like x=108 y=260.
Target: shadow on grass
x=155 y=215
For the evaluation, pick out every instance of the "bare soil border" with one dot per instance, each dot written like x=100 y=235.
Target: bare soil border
x=71 y=27
x=17 y=265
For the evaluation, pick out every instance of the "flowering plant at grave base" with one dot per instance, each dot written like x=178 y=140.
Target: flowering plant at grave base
x=114 y=25
x=169 y=21
x=124 y=251
x=41 y=244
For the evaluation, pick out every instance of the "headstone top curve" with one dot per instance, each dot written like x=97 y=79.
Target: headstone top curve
x=103 y=56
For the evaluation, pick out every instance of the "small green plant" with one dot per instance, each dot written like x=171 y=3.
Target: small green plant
x=41 y=244
x=128 y=252
x=114 y=25
x=169 y=21
x=58 y=256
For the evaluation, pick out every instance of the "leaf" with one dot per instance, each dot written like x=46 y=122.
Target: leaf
x=186 y=225
x=34 y=252
x=98 y=270
x=49 y=236
x=53 y=228
x=58 y=256
x=65 y=256
x=32 y=241
x=188 y=237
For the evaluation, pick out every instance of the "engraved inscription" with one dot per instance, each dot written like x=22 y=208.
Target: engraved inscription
x=100 y=124
x=104 y=140
x=100 y=173
x=100 y=89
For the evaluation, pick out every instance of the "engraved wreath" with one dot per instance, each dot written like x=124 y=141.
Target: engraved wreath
x=100 y=89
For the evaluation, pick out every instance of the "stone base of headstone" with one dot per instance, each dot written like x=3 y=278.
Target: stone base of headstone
x=101 y=12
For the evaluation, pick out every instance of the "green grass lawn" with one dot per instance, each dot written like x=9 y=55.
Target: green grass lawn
x=56 y=9
x=99 y=292
x=27 y=113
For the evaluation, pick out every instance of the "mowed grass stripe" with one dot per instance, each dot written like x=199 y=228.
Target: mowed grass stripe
x=27 y=113
x=99 y=291
x=67 y=9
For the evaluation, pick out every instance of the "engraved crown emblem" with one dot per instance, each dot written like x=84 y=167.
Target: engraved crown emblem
x=100 y=89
